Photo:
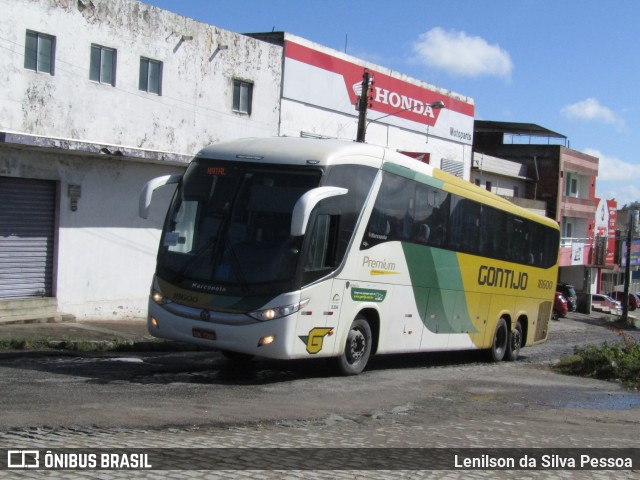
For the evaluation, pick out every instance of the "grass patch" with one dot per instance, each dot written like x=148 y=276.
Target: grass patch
x=619 y=361
x=24 y=344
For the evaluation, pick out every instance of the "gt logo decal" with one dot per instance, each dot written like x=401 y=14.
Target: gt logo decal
x=314 y=340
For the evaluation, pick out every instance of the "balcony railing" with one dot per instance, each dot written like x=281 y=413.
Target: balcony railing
x=570 y=241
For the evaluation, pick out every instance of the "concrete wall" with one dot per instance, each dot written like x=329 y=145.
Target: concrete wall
x=194 y=109
x=105 y=252
x=500 y=185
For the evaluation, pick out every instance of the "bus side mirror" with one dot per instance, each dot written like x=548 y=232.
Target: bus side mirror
x=146 y=193
x=305 y=205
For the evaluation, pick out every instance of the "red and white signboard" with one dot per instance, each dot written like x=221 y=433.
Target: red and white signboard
x=605 y=226
x=329 y=80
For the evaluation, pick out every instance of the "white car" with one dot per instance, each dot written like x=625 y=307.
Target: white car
x=604 y=303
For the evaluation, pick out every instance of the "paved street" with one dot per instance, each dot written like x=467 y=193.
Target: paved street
x=186 y=400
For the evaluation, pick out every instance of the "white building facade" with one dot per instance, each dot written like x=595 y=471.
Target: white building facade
x=96 y=98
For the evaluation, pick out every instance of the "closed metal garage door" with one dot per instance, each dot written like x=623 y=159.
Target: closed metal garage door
x=27 y=226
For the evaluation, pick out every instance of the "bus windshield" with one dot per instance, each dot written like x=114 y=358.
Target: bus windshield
x=230 y=223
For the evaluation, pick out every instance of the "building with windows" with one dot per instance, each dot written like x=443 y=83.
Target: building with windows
x=533 y=167
x=96 y=98
x=506 y=178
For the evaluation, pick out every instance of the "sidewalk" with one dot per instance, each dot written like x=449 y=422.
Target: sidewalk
x=131 y=331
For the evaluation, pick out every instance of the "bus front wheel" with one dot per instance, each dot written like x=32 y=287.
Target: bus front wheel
x=357 y=349
x=500 y=341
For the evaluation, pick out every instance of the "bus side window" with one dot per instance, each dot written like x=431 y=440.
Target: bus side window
x=180 y=237
x=465 y=223
x=429 y=221
x=392 y=215
x=322 y=243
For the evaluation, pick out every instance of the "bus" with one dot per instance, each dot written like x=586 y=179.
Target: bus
x=292 y=248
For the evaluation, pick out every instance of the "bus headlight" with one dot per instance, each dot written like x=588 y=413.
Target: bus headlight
x=157 y=297
x=277 y=312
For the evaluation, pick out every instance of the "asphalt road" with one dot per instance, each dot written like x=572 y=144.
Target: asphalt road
x=189 y=399
x=159 y=389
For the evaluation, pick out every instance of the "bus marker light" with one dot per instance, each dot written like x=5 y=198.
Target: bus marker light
x=154 y=322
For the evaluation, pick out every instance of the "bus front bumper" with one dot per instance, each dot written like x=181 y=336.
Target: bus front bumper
x=266 y=339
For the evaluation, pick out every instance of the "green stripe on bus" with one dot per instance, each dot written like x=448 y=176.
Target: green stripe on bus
x=438 y=289
x=412 y=175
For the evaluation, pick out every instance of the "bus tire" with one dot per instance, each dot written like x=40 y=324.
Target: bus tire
x=357 y=349
x=515 y=342
x=500 y=341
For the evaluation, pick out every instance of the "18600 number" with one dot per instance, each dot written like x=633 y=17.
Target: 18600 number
x=545 y=284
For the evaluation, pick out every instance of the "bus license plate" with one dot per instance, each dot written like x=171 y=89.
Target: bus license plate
x=203 y=333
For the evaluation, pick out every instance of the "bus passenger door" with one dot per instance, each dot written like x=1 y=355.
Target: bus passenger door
x=318 y=321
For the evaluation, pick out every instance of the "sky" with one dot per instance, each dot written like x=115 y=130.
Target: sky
x=571 y=66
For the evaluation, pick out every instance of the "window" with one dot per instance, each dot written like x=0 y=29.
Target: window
x=242 y=93
x=39 y=52
x=571 y=185
x=322 y=244
x=488 y=186
x=103 y=65
x=454 y=167
x=436 y=218
x=568 y=230
x=574 y=187
x=150 y=76
x=516 y=191
x=331 y=226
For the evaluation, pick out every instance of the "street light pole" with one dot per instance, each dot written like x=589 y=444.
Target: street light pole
x=627 y=273
x=363 y=104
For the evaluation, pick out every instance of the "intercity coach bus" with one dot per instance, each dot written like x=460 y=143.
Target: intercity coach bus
x=291 y=248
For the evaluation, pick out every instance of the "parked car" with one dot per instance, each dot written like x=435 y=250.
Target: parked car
x=569 y=293
x=604 y=303
x=633 y=299
x=560 y=306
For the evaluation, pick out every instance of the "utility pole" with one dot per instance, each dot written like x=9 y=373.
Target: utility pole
x=362 y=105
x=627 y=273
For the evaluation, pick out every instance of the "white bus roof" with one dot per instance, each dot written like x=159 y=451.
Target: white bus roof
x=323 y=152
x=296 y=151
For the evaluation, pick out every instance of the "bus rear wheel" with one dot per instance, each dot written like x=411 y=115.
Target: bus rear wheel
x=500 y=341
x=516 y=338
x=357 y=350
